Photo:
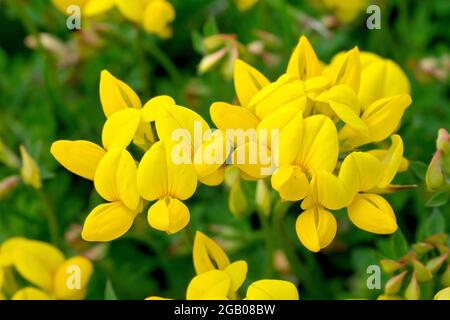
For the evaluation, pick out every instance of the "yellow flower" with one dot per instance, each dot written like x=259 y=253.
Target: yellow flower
x=244 y=5
x=346 y=11
x=443 y=294
x=218 y=279
x=49 y=274
x=154 y=15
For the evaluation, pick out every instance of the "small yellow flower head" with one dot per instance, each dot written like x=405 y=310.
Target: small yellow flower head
x=218 y=279
x=48 y=273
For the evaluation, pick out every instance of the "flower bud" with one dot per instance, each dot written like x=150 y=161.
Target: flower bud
x=421 y=248
x=7 y=185
x=237 y=201
x=394 y=284
x=437 y=239
x=262 y=197
x=445 y=279
x=30 y=171
x=436 y=263
x=434 y=178
x=412 y=292
x=389 y=266
x=443 y=141
x=421 y=272
x=210 y=60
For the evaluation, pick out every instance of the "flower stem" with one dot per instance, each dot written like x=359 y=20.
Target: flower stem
x=50 y=215
x=269 y=243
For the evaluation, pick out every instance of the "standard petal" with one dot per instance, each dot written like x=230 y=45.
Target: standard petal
x=116 y=94
x=372 y=213
x=227 y=116
x=346 y=69
x=272 y=290
x=247 y=81
x=391 y=161
x=120 y=128
x=237 y=271
x=35 y=261
x=207 y=254
x=303 y=62
x=291 y=182
x=319 y=146
x=80 y=157
x=168 y=214
x=107 y=222
x=72 y=277
x=316 y=228
x=211 y=285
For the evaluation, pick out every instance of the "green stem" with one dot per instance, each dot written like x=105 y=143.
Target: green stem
x=269 y=243
x=144 y=66
x=164 y=60
x=50 y=215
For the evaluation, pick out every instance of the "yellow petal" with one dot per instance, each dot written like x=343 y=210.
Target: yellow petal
x=116 y=94
x=286 y=91
x=247 y=81
x=237 y=271
x=272 y=290
x=107 y=222
x=158 y=15
x=391 y=161
x=158 y=176
x=319 y=146
x=36 y=261
x=151 y=107
x=303 y=62
x=347 y=69
x=93 y=8
x=254 y=159
x=156 y=298
x=316 y=228
x=328 y=191
x=290 y=182
x=360 y=171
x=381 y=153
x=382 y=118
x=72 y=277
x=168 y=214
x=132 y=10
x=212 y=154
x=227 y=116
x=30 y=293
x=372 y=213
x=211 y=285
x=80 y=157
x=62 y=5
x=120 y=128
x=380 y=78
x=443 y=294
x=213 y=179
x=30 y=171
x=207 y=254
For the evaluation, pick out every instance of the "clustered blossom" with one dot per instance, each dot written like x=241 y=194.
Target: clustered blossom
x=45 y=268
x=333 y=120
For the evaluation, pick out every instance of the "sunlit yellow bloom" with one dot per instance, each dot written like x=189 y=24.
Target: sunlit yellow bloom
x=218 y=279
x=50 y=275
x=346 y=11
x=154 y=15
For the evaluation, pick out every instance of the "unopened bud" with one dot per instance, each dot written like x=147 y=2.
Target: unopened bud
x=214 y=42
x=210 y=60
x=443 y=141
x=422 y=247
x=237 y=200
x=437 y=239
x=7 y=185
x=394 y=284
x=389 y=266
x=445 y=279
x=422 y=273
x=434 y=178
x=436 y=263
x=262 y=197
x=412 y=292
x=29 y=171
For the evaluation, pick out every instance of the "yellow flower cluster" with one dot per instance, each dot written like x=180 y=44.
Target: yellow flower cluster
x=155 y=16
x=50 y=274
x=320 y=118
x=218 y=279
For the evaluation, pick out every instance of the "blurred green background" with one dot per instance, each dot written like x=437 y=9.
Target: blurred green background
x=50 y=94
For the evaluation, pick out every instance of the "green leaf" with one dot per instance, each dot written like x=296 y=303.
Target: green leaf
x=210 y=28
x=197 y=42
x=110 y=294
x=419 y=169
x=399 y=244
x=438 y=199
x=435 y=223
